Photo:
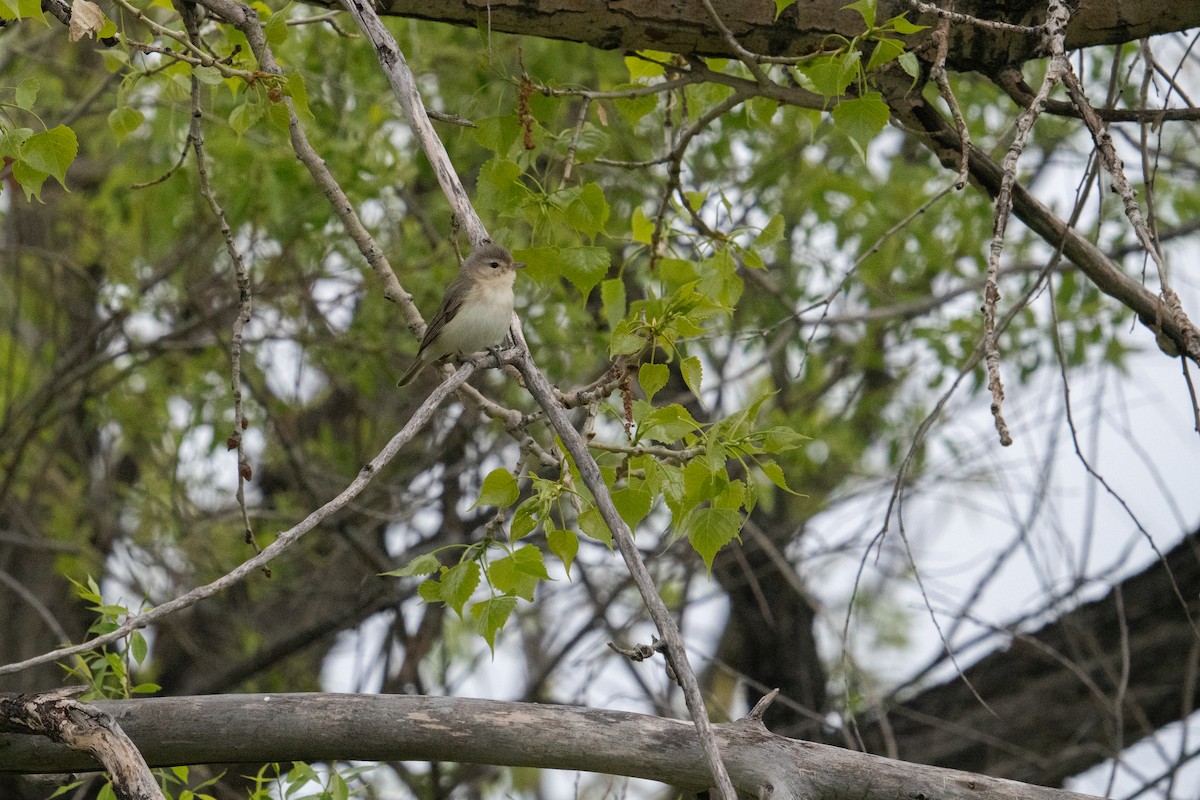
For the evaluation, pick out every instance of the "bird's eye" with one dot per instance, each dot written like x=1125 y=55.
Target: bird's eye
x=495 y=265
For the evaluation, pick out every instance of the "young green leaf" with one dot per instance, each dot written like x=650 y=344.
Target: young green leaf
x=588 y=213
x=591 y=523
x=866 y=8
x=693 y=373
x=641 y=227
x=585 y=266
x=51 y=151
x=710 y=529
x=124 y=120
x=633 y=504
x=424 y=564
x=519 y=573
x=564 y=544
x=861 y=119
x=499 y=489
x=458 y=583
x=652 y=377
x=490 y=616
x=774 y=473
x=612 y=299
x=137 y=647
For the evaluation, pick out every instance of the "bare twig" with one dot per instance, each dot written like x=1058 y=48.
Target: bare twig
x=954 y=16
x=941 y=38
x=543 y=392
x=744 y=55
x=1056 y=26
x=191 y=23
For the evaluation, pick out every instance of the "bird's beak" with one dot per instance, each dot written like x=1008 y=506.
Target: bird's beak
x=518 y=265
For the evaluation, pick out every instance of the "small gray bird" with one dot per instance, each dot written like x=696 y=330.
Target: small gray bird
x=476 y=311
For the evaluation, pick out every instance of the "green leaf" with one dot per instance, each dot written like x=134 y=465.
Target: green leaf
x=693 y=373
x=431 y=591
x=297 y=89
x=701 y=482
x=652 y=377
x=634 y=108
x=458 y=583
x=732 y=496
x=524 y=519
x=719 y=281
x=588 y=213
x=424 y=564
x=498 y=134
x=519 y=573
x=624 y=341
x=499 y=187
x=612 y=299
x=641 y=227
x=490 y=616
x=667 y=424
x=781 y=438
x=782 y=5
x=499 y=489
x=640 y=70
x=710 y=529
x=337 y=784
x=137 y=647
x=861 y=119
x=885 y=50
x=124 y=120
x=564 y=544
x=244 y=115
x=209 y=76
x=30 y=179
x=51 y=151
x=901 y=25
x=592 y=524
x=830 y=75
x=27 y=92
x=866 y=8
x=908 y=61
x=772 y=233
x=774 y=473
x=762 y=109
x=633 y=504
x=276 y=30
x=585 y=266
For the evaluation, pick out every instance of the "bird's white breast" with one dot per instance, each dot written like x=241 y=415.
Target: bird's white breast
x=483 y=319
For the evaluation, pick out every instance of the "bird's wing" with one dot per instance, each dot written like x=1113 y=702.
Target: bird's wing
x=450 y=305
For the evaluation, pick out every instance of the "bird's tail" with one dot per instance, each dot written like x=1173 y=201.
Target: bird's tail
x=412 y=373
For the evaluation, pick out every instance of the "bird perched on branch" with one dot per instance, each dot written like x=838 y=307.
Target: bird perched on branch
x=476 y=312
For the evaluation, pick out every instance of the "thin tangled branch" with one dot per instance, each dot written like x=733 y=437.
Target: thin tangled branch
x=245 y=293
x=1055 y=31
x=285 y=540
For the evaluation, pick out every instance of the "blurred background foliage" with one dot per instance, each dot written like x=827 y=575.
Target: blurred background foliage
x=844 y=289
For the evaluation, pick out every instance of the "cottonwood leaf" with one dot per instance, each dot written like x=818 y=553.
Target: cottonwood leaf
x=490 y=616
x=499 y=489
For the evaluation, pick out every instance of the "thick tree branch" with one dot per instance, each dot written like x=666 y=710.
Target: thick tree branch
x=330 y=727
x=81 y=729
x=803 y=28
